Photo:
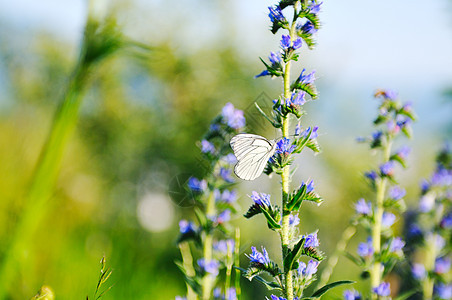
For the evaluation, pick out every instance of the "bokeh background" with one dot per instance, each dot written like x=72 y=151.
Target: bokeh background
x=141 y=117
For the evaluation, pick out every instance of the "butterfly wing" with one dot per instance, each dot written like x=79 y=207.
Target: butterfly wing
x=252 y=153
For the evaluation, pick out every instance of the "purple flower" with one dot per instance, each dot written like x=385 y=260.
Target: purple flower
x=297 y=98
x=294 y=220
x=372 y=175
x=376 y=136
x=443 y=291
x=232 y=294
x=263 y=73
x=259 y=258
x=207 y=147
x=397 y=193
x=442 y=177
x=388 y=219
x=427 y=202
x=403 y=121
x=221 y=246
x=309 y=186
x=223 y=217
x=226 y=175
x=186 y=227
x=365 y=249
x=229 y=159
x=414 y=231
x=396 y=245
x=297 y=129
x=285 y=42
x=307 y=270
x=297 y=44
x=314 y=133
x=387 y=169
x=277 y=298
x=442 y=265
x=418 y=271
x=314 y=7
x=311 y=240
x=308 y=78
x=311 y=268
x=234 y=117
x=446 y=222
x=227 y=196
x=180 y=298
x=261 y=199
x=276 y=14
x=274 y=59
x=210 y=267
x=363 y=208
x=284 y=146
x=217 y=293
x=307 y=28
x=382 y=290
x=196 y=185
x=352 y=295
x=403 y=152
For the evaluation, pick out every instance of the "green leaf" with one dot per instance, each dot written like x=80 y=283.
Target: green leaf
x=326 y=288
x=272 y=223
x=293 y=255
x=359 y=261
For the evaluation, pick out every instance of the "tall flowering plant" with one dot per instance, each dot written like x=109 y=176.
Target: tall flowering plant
x=215 y=203
x=429 y=232
x=296 y=273
x=382 y=250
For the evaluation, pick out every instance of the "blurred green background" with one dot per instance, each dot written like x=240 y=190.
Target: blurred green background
x=142 y=115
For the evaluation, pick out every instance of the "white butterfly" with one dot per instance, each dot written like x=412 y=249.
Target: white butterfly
x=252 y=152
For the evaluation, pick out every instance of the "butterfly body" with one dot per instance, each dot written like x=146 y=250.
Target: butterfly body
x=252 y=152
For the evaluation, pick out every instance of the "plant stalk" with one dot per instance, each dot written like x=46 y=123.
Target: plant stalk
x=207 y=250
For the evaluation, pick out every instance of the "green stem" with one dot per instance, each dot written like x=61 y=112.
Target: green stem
x=375 y=271
x=207 y=280
x=187 y=261
x=285 y=176
x=429 y=263
x=229 y=263
x=348 y=233
x=238 y=275
x=44 y=178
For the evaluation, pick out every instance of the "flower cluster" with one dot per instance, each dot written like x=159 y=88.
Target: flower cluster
x=383 y=250
x=429 y=231
x=300 y=254
x=215 y=201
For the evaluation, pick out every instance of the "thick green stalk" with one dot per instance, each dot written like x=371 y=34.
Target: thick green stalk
x=285 y=176
x=207 y=280
x=229 y=263
x=187 y=261
x=238 y=275
x=375 y=271
x=348 y=233
x=43 y=179
x=429 y=263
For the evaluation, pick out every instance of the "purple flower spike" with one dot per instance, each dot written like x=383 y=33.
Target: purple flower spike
x=308 y=78
x=276 y=14
x=396 y=245
x=403 y=152
x=363 y=208
x=365 y=249
x=311 y=268
x=397 y=193
x=197 y=185
x=297 y=44
x=418 y=271
x=443 y=291
x=446 y=222
x=186 y=227
x=388 y=219
x=207 y=147
x=309 y=186
x=210 y=267
x=442 y=265
x=351 y=295
x=387 y=169
x=372 y=175
x=285 y=42
x=261 y=199
x=294 y=220
x=234 y=117
x=284 y=146
x=257 y=257
x=307 y=28
x=277 y=298
x=314 y=7
x=311 y=240
x=383 y=289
